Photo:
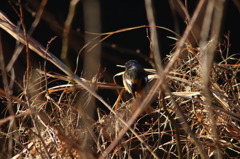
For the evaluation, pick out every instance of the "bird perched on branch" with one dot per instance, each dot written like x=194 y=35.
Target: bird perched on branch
x=135 y=79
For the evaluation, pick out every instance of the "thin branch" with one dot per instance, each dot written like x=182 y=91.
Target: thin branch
x=214 y=10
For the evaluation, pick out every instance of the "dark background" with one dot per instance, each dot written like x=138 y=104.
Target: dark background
x=115 y=15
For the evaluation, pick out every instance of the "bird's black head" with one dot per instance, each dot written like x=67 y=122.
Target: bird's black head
x=131 y=64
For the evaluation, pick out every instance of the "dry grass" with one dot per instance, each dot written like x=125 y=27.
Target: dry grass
x=200 y=119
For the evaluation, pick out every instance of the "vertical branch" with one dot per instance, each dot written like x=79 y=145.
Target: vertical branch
x=159 y=67
x=153 y=35
x=213 y=16
x=92 y=24
x=5 y=82
x=28 y=71
x=31 y=30
x=169 y=66
x=66 y=30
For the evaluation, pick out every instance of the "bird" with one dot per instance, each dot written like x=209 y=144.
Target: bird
x=134 y=78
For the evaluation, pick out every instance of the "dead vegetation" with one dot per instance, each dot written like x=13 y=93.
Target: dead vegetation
x=198 y=118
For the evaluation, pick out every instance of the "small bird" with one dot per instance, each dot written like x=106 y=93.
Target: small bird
x=135 y=78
